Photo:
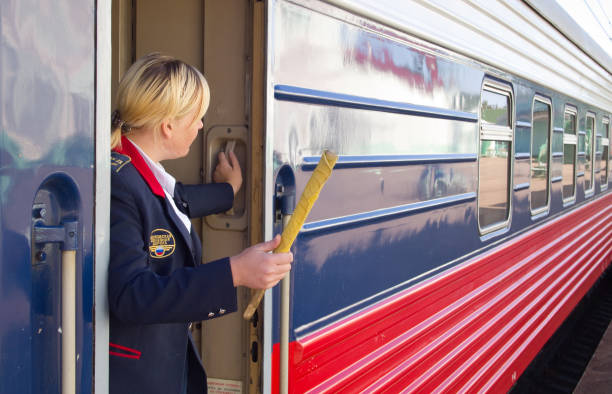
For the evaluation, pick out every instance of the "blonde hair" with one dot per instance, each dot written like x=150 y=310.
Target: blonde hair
x=156 y=88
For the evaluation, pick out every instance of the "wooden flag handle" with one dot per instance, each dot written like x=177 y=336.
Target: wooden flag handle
x=310 y=194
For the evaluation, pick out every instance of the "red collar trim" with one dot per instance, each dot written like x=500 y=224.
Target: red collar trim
x=128 y=149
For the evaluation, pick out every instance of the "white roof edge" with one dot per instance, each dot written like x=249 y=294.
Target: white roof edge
x=564 y=23
x=469 y=30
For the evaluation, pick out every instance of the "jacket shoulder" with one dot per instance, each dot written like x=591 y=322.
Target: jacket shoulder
x=118 y=161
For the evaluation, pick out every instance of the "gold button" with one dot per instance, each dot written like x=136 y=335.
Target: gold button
x=211 y=314
x=222 y=311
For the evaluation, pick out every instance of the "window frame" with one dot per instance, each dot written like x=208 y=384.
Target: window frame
x=543 y=210
x=605 y=141
x=591 y=191
x=492 y=132
x=569 y=139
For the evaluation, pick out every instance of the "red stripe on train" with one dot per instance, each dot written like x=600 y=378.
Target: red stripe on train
x=475 y=326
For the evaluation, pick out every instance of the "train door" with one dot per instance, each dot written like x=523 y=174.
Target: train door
x=47 y=175
x=217 y=37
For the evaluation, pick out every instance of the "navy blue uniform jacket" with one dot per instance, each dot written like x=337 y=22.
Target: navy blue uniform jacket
x=156 y=283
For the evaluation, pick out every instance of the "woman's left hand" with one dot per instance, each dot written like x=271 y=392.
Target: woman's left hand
x=228 y=172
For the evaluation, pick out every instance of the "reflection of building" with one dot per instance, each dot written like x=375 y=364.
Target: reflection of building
x=418 y=68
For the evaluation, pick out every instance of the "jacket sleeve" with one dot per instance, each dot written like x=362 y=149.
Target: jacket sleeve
x=205 y=199
x=138 y=295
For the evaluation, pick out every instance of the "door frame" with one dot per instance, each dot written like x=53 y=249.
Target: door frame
x=102 y=193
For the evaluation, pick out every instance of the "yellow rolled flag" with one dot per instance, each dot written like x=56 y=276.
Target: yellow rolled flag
x=310 y=194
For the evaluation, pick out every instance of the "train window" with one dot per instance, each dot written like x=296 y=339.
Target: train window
x=494 y=109
x=540 y=155
x=588 y=153
x=605 y=152
x=569 y=154
x=495 y=156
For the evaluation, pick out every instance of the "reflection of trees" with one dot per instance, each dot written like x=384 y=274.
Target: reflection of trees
x=569 y=124
x=588 y=139
x=588 y=156
x=539 y=144
x=490 y=148
x=543 y=155
x=539 y=155
x=491 y=113
x=604 y=165
x=569 y=170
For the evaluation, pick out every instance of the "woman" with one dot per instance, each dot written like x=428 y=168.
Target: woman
x=157 y=284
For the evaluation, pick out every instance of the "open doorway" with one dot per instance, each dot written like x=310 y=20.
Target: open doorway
x=218 y=38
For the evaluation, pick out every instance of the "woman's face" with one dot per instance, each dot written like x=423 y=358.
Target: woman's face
x=184 y=132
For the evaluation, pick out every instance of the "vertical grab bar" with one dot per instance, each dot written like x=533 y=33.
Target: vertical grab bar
x=66 y=235
x=284 y=325
x=293 y=219
x=69 y=321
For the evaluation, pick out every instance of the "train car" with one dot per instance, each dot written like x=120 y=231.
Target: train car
x=467 y=215
x=47 y=200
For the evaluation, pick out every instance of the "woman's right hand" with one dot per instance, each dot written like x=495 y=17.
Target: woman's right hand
x=255 y=268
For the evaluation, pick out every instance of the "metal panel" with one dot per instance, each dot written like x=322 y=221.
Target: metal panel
x=494 y=313
x=399 y=210
x=344 y=55
x=492 y=32
x=47 y=97
x=403 y=119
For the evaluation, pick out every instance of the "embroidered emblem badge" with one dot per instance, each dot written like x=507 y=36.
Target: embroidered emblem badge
x=162 y=243
x=118 y=161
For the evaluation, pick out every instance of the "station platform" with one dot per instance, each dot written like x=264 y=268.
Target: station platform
x=597 y=377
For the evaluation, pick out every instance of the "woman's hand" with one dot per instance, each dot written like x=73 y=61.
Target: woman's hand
x=228 y=172
x=254 y=267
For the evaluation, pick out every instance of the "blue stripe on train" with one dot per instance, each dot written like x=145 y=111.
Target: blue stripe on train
x=353 y=161
x=312 y=96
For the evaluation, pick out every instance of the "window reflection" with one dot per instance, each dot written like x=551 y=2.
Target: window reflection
x=495 y=156
x=493 y=185
x=588 y=153
x=604 y=154
x=569 y=123
x=569 y=156
x=494 y=109
x=539 y=155
x=569 y=170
